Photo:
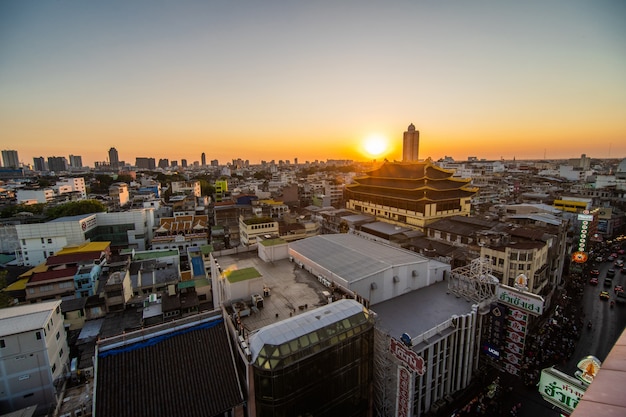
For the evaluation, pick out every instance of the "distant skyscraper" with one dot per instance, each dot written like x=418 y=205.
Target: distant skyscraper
x=203 y=159
x=411 y=145
x=10 y=159
x=76 y=161
x=145 y=163
x=57 y=163
x=183 y=163
x=114 y=158
x=164 y=163
x=40 y=164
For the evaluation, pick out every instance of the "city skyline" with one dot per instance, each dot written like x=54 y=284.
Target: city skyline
x=273 y=81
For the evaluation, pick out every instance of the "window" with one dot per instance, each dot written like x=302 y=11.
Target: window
x=58 y=335
x=49 y=240
x=42 y=240
x=38 y=335
x=54 y=367
x=61 y=353
x=2 y=344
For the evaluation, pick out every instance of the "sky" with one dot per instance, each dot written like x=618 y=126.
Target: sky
x=312 y=80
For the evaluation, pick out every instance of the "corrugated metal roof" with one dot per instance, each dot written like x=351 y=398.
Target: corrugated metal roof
x=27 y=317
x=351 y=257
x=183 y=374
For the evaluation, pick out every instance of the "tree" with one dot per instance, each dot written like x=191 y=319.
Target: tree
x=74 y=208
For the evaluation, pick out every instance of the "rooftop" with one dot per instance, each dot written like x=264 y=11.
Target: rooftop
x=26 y=317
x=353 y=258
x=419 y=311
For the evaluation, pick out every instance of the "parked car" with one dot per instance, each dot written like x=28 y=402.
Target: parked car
x=610 y=273
x=594 y=272
x=618 y=288
x=608 y=282
x=621 y=297
x=619 y=263
x=610 y=258
x=593 y=281
x=604 y=295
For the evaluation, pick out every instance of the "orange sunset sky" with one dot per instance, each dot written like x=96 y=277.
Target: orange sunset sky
x=312 y=80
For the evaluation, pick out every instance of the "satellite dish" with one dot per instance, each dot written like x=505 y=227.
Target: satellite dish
x=406 y=339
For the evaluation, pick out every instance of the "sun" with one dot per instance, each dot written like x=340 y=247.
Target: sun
x=375 y=145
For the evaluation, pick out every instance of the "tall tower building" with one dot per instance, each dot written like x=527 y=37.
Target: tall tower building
x=10 y=159
x=57 y=163
x=203 y=159
x=40 y=164
x=76 y=161
x=114 y=158
x=411 y=145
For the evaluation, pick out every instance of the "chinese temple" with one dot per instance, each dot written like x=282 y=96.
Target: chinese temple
x=410 y=193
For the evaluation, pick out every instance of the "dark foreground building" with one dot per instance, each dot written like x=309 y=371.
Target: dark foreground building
x=318 y=363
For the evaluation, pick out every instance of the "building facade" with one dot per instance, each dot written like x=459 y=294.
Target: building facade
x=410 y=194
x=33 y=354
x=411 y=144
x=326 y=353
x=10 y=159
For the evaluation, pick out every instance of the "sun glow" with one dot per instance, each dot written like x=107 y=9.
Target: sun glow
x=375 y=145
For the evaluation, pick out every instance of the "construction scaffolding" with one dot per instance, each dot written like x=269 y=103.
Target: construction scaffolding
x=473 y=282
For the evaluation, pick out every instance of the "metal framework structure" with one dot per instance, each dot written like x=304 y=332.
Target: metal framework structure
x=474 y=282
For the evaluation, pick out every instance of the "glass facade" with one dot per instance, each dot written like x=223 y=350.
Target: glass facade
x=116 y=234
x=327 y=371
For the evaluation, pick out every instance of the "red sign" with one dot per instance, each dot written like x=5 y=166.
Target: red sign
x=404 y=392
x=407 y=356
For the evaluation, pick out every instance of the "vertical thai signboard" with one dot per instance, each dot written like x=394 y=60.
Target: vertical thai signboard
x=410 y=364
x=516 y=325
x=495 y=324
x=521 y=304
x=403 y=406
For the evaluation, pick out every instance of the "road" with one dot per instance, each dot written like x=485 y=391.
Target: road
x=608 y=323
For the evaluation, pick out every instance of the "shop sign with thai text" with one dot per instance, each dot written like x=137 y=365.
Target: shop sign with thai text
x=407 y=356
x=404 y=392
x=560 y=389
x=522 y=300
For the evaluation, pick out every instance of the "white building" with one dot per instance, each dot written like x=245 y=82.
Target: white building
x=41 y=196
x=372 y=271
x=68 y=185
x=119 y=193
x=186 y=187
x=128 y=229
x=33 y=355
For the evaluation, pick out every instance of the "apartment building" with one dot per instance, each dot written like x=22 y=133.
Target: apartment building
x=33 y=356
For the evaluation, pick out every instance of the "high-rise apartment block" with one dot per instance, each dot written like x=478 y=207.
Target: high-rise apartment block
x=10 y=159
x=114 y=158
x=76 y=161
x=203 y=159
x=145 y=163
x=411 y=144
x=57 y=163
x=40 y=164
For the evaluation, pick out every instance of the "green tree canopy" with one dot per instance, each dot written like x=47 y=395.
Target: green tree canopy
x=74 y=208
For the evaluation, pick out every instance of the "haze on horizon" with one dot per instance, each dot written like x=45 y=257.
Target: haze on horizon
x=279 y=80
